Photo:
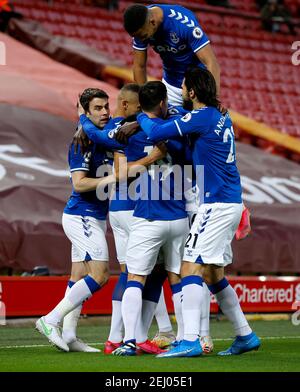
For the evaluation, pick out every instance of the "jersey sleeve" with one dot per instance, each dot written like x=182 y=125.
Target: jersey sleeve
x=197 y=121
x=194 y=34
x=157 y=132
x=139 y=45
x=192 y=122
x=77 y=161
x=104 y=137
x=176 y=111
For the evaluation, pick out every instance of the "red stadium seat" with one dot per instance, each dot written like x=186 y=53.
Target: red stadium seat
x=258 y=78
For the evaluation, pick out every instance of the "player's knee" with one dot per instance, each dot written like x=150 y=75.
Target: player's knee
x=173 y=278
x=212 y=274
x=101 y=276
x=137 y=278
x=189 y=269
x=105 y=278
x=78 y=272
x=102 y=279
x=76 y=277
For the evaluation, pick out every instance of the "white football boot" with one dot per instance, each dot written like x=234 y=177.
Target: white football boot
x=79 y=346
x=52 y=333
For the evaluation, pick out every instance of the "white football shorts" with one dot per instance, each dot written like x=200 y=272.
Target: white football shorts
x=191 y=203
x=148 y=237
x=209 y=240
x=87 y=235
x=120 y=222
x=174 y=94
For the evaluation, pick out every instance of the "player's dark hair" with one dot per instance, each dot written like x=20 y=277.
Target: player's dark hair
x=151 y=94
x=134 y=17
x=132 y=87
x=89 y=94
x=204 y=85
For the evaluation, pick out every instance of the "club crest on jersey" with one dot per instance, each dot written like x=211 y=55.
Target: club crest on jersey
x=187 y=117
x=174 y=37
x=111 y=134
x=197 y=32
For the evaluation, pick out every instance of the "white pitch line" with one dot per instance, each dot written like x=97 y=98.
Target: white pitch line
x=101 y=344
x=40 y=345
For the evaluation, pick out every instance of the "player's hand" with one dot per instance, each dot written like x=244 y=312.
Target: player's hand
x=158 y=152
x=125 y=131
x=80 y=139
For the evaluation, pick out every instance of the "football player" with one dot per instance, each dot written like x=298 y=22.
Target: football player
x=84 y=222
x=208 y=245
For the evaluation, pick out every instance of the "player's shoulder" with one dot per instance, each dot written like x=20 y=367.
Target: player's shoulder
x=198 y=120
x=174 y=111
x=171 y=8
x=113 y=122
x=219 y=114
x=183 y=18
x=194 y=115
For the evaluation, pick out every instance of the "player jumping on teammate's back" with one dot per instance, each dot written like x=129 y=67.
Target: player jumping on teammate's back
x=218 y=216
x=175 y=34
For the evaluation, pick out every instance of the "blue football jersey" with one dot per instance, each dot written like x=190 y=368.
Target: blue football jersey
x=213 y=150
x=157 y=196
x=177 y=40
x=103 y=137
x=176 y=111
x=87 y=203
x=120 y=200
x=112 y=124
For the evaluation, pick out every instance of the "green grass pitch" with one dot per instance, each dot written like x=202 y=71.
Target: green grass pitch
x=23 y=349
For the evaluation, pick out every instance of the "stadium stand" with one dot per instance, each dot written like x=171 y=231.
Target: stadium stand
x=258 y=77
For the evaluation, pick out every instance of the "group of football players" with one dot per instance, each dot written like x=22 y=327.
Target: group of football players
x=173 y=198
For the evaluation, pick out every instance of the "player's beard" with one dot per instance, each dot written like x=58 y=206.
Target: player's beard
x=187 y=104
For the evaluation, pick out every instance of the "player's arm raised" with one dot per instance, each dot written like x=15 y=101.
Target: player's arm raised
x=98 y=136
x=200 y=44
x=207 y=57
x=157 y=132
x=171 y=129
x=140 y=66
